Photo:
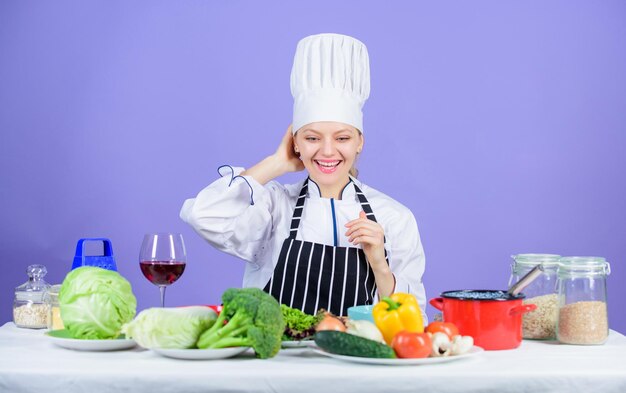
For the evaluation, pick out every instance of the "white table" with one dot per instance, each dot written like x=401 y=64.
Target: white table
x=29 y=362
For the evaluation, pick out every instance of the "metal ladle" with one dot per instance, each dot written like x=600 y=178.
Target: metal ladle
x=524 y=281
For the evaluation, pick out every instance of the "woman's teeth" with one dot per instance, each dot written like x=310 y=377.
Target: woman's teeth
x=328 y=166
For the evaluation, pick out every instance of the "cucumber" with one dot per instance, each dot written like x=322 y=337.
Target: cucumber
x=342 y=343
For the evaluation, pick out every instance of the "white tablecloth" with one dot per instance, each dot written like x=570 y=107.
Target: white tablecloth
x=29 y=362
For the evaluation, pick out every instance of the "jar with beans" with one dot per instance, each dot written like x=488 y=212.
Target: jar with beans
x=539 y=324
x=581 y=283
x=29 y=307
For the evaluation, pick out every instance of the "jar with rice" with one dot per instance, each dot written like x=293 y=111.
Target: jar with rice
x=541 y=323
x=581 y=284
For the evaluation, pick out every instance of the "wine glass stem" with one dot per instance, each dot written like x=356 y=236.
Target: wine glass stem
x=162 y=289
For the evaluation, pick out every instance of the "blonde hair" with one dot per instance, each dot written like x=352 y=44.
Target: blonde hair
x=354 y=172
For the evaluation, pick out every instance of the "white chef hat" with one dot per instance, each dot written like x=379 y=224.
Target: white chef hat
x=330 y=80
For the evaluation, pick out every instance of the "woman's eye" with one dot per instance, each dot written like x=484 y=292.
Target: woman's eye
x=343 y=138
x=311 y=138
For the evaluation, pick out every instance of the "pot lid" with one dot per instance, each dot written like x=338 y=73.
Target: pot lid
x=481 y=294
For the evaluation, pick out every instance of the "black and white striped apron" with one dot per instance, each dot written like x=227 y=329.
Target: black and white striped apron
x=310 y=276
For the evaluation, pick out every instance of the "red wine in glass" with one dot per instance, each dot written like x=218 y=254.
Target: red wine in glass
x=162 y=259
x=162 y=272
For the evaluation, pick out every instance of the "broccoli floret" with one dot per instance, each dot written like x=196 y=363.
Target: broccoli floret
x=253 y=319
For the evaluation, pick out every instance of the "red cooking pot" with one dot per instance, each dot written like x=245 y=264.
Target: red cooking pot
x=493 y=318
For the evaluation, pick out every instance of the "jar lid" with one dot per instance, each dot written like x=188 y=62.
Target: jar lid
x=535 y=259
x=582 y=265
x=35 y=282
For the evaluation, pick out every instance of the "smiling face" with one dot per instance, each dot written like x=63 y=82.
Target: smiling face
x=328 y=150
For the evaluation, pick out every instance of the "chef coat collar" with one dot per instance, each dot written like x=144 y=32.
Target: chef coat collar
x=347 y=193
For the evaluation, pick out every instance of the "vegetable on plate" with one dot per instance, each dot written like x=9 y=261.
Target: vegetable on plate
x=330 y=322
x=396 y=313
x=448 y=328
x=412 y=345
x=172 y=328
x=298 y=324
x=364 y=329
x=95 y=303
x=342 y=343
x=442 y=345
x=253 y=318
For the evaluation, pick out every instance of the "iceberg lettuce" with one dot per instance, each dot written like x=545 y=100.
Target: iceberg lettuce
x=95 y=303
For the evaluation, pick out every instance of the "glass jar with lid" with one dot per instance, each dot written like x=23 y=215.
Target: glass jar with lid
x=581 y=284
x=539 y=324
x=54 y=311
x=29 y=307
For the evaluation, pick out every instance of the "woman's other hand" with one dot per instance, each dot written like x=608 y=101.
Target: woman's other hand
x=370 y=235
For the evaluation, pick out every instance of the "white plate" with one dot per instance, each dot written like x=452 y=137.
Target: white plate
x=401 y=362
x=200 y=354
x=297 y=344
x=63 y=339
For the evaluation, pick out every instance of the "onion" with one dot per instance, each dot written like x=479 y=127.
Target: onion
x=330 y=323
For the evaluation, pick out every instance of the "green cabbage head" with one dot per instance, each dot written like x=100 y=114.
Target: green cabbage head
x=177 y=328
x=95 y=303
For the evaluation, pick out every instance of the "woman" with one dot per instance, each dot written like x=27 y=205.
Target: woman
x=329 y=241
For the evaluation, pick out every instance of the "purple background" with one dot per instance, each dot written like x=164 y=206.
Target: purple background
x=501 y=125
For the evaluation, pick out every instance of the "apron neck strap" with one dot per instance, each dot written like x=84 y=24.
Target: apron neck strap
x=297 y=211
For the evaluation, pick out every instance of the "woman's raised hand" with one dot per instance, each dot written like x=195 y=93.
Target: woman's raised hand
x=282 y=161
x=286 y=155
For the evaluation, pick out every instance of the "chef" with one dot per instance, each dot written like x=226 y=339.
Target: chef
x=328 y=241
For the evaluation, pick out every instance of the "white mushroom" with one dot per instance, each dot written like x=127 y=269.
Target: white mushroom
x=441 y=345
x=461 y=344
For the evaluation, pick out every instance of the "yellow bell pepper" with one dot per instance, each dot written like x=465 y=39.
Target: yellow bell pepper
x=398 y=312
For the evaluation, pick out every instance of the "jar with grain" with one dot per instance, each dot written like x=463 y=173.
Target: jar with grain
x=54 y=311
x=539 y=324
x=581 y=285
x=29 y=308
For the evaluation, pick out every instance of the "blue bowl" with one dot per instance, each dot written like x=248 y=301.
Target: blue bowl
x=363 y=313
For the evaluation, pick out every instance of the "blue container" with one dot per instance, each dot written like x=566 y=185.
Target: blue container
x=363 y=313
x=106 y=261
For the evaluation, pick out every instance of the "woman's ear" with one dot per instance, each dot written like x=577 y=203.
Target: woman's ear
x=295 y=145
x=360 y=148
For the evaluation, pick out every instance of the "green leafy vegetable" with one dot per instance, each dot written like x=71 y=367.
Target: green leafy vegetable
x=95 y=303
x=177 y=328
x=299 y=325
x=253 y=319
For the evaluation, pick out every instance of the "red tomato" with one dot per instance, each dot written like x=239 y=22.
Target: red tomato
x=411 y=345
x=444 y=327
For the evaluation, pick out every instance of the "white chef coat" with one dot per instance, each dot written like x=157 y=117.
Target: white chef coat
x=223 y=215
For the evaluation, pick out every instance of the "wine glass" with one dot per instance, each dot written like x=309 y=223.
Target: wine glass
x=162 y=259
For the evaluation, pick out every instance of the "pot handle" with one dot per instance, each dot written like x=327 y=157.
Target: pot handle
x=437 y=303
x=522 y=309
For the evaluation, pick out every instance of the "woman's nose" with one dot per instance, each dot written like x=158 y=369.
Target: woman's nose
x=328 y=148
